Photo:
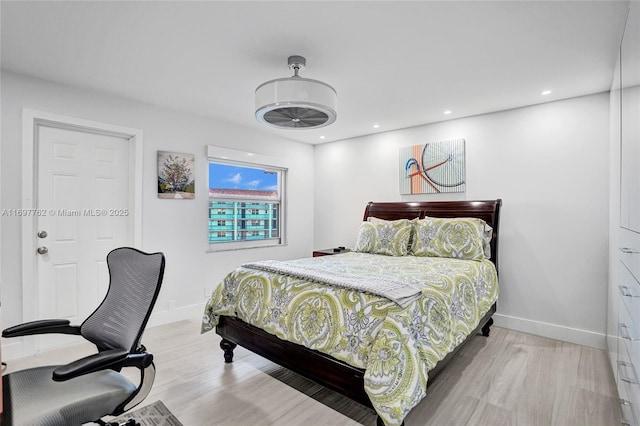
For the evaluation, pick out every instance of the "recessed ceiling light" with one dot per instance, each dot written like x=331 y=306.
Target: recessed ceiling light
x=321 y=137
x=545 y=92
x=447 y=112
x=375 y=126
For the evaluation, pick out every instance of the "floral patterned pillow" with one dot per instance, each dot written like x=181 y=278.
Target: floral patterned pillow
x=388 y=237
x=486 y=240
x=458 y=238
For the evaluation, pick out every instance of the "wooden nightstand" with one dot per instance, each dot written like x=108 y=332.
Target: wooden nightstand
x=331 y=251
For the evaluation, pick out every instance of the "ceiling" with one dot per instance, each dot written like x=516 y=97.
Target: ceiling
x=396 y=64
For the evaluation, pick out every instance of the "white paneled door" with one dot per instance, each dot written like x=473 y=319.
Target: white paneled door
x=82 y=213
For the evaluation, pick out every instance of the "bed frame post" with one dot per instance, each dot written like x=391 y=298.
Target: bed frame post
x=380 y=422
x=228 y=348
x=486 y=329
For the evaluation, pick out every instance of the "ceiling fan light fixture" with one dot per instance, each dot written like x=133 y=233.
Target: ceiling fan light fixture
x=296 y=102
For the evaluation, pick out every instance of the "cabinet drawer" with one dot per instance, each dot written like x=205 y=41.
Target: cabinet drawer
x=629 y=393
x=629 y=340
x=626 y=412
x=628 y=367
x=629 y=291
x=630 y=258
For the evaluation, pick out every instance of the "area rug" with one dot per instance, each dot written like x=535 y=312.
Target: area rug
x=155 y=414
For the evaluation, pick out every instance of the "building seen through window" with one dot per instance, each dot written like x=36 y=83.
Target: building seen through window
x=244 y=203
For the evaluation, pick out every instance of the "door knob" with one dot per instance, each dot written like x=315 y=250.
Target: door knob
x=42 y=234
x=43 y=250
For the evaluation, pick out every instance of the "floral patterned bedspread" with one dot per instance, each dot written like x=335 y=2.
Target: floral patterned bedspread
x=395 y=346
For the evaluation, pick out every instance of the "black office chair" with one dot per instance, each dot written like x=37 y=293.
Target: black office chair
x=90 y=388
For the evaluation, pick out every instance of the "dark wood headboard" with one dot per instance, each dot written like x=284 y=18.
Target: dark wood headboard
x=488 y=210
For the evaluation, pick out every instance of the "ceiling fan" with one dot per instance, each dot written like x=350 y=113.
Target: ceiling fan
x=296 y=102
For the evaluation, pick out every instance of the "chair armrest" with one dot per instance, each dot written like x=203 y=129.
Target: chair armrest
x=139 y=360
x=109 y=359
x=46 y=326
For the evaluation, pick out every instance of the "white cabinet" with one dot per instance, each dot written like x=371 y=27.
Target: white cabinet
x=623 y=317
x=630 y=122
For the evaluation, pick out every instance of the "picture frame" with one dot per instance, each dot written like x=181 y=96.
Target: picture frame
x=176 y=175
x=433 y=168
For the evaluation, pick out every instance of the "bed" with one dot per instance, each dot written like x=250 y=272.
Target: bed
x=425 y=294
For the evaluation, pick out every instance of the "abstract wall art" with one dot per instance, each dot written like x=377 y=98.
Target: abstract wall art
x=433 y=168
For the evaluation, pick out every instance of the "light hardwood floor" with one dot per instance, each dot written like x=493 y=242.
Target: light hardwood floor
x=509 y=378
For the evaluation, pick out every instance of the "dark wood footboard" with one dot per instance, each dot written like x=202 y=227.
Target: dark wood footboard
x=321 y=368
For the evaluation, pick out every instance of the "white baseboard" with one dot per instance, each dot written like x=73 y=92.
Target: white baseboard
x=15 y=349
x=21 y=348
x=179 y=314
x=552 y=331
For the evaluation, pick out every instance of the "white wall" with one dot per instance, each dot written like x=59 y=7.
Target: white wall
x=549 y=164
x=176 y=227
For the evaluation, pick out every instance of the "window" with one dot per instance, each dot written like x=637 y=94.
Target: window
x=246 y=202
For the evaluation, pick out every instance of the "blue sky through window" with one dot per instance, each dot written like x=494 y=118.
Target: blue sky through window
x=227 y=176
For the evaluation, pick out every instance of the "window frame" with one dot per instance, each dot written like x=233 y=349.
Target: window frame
x=249 y=159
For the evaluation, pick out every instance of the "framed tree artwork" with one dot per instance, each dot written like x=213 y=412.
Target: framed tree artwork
x=176 y=175
x=433 y=168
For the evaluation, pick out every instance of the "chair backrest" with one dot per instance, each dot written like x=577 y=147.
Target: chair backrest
x=134 y=284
